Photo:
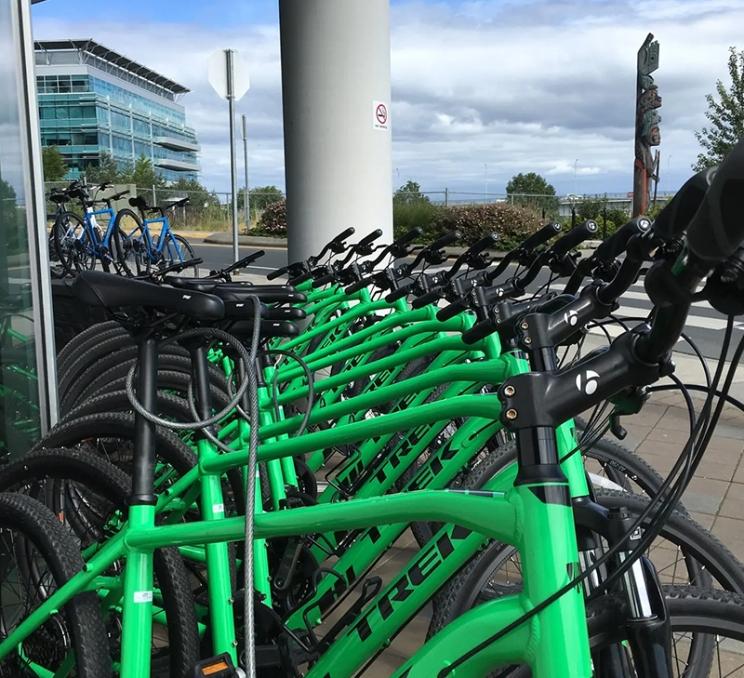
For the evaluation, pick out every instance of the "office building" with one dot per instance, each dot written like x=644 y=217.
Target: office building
x=93 y=101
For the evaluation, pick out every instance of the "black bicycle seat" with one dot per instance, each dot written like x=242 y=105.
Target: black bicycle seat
x=243 y=329
x=58 y=198
x=269 y=294
x=116 y=292
x=139 y=202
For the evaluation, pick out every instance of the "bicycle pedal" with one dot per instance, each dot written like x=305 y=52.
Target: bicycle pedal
x=220 y=666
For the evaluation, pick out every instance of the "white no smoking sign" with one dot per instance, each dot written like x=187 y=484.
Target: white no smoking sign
x=380 y=115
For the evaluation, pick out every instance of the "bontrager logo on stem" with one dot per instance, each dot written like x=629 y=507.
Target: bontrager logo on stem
x=590 y=382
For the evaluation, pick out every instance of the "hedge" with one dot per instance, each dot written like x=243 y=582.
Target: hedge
x=511 y=222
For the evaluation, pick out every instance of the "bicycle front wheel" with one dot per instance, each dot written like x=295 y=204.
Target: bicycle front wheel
x=39 y=555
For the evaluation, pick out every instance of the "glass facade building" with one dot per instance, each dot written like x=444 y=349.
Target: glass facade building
x=93 y=100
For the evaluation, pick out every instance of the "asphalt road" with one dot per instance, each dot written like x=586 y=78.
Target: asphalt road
x=220 y=256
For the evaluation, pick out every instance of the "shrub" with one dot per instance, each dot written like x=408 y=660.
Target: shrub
x=415 y=214
x=512 y=223
x=273 y=220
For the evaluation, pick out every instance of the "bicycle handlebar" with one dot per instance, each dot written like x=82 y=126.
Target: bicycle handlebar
x=174 y=268
x=574 y=237
x=678 y=212
x=717 y=229
x=618 y=241
x=242 y=263
x=541 y=237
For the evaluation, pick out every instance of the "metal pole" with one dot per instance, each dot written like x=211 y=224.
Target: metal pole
x=233 y=160
x=246 y=197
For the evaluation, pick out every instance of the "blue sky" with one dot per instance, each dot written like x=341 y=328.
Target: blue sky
x=481 y=89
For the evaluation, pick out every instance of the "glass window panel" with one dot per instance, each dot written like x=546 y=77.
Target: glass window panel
x=19 y=393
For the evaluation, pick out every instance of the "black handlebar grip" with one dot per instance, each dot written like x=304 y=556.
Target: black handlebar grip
x=618 y=241
x=451 y=310
x=575 y=237
x=673 y=219
x=717 y=229
x=444 y=240
x=343 y=235
x=431 y=297
x=324 y=280
x=401 y=292
x=483 y=244
x=301 y=278
x=358 y=285
x=242 y=263
x=179 y=266
x=541 y=237
x=409 y=236
x=478 y=332
x=367 y=239
x=275 y=274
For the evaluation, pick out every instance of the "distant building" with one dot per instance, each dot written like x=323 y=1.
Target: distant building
x=93 y=100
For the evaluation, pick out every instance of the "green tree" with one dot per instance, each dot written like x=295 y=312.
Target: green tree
x=9 y=218
x=143 y=174
x=199 y=196
x=410 y=192
x=107 y=170
x=725 y=115
x=54 y=164
x=530 y=183
x=532 y=190
x=260 y=197
x=412 y=209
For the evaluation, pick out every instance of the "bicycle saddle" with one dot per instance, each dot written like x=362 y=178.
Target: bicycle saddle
x=139 y=202
x=113 y=292
x=243 y=329
x=282 y=294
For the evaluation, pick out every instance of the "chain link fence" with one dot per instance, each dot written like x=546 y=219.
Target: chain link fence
x=211 y=210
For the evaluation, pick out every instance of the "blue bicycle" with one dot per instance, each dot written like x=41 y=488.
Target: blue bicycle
x=139 y=249
x=78 y=243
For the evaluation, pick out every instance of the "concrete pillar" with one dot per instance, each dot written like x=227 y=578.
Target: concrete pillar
x=337 y=146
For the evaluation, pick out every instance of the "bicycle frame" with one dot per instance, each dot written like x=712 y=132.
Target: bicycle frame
x=554 y=643
x=165 y=238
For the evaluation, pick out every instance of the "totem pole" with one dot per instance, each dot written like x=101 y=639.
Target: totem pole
x=646 y=123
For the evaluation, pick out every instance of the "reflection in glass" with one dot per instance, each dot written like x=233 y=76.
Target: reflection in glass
x=19 y=410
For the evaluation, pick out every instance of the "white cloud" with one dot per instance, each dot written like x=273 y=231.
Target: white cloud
x=481 y=90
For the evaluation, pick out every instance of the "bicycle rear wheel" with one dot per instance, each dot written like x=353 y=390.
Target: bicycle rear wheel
x=130 y=245
x=72 y=246
x=178 y=249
